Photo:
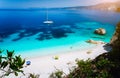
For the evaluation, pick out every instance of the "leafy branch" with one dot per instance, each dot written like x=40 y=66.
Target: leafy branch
x=10 y=63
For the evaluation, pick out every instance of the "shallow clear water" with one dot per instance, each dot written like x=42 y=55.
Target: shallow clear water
x=24 y=30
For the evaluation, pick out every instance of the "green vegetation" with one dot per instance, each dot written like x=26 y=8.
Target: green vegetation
x=98 y=68
x=114 y=55
x=92 y=69
x=33 y=75
x=10 y=64
x=57 y=74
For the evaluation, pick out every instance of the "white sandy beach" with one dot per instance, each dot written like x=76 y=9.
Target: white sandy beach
x=45 y=65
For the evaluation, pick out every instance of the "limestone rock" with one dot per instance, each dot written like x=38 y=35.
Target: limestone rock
x=100 y=31
x=95 y=42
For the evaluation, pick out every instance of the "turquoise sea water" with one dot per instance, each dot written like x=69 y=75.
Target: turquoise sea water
x=24 y=30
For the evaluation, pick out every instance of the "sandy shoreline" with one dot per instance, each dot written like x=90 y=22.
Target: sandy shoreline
x=47 y=51
x=47 y=64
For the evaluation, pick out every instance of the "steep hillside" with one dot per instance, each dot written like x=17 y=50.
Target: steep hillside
x=113 y=6
x=116 y=37
x=115 y=42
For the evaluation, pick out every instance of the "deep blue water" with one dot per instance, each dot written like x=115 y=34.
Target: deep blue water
x=10 y=21
x=67 y=23
x=27 y=19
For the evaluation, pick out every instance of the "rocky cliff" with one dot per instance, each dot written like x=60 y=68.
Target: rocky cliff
x=115 y=41
x=114 y=55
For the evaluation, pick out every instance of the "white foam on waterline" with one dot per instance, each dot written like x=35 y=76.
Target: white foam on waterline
x=55 y=50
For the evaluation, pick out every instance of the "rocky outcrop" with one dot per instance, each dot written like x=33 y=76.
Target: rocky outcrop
x=116 y=37
x=100 y=31
x=95 y=42
x=114 y=55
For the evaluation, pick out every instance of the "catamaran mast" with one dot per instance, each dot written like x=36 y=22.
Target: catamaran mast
x=47 y=15
x=47 y=20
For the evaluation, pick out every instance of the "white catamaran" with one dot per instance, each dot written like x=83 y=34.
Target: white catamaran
x=47 y=20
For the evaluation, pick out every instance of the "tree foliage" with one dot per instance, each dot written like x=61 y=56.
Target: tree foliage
x=32 y=75
x=57 y=74
x=92 y=69
x=10 y=63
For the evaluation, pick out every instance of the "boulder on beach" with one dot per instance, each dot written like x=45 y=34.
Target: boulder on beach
x=100 y=31
x=95 y=42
